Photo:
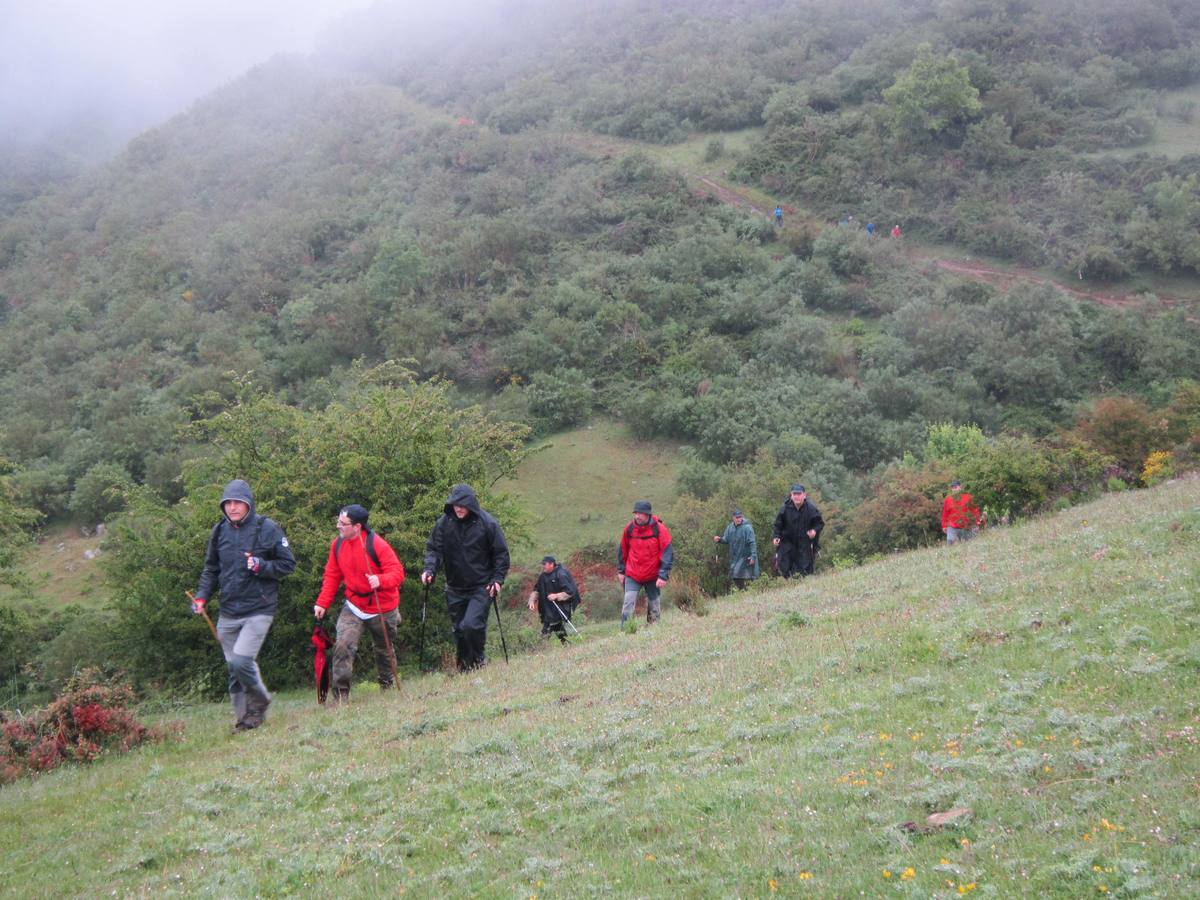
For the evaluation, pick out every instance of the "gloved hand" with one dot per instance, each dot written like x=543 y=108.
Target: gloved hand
x=253 y=563
x=197 y=605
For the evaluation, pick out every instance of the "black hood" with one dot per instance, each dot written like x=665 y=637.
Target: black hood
x=462 y=495
x=238 y=490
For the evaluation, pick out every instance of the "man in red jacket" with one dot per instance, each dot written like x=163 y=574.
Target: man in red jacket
x=644 y=561
x=367 y=566
x=960 y=515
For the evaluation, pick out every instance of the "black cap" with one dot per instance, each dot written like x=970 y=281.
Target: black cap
x=549 y=559
x=355 y=513
x=737 y=514
x=798 y=489
x=641 y=506
x=955 y=483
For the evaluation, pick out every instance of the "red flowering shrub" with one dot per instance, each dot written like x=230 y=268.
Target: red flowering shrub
x=89 y=717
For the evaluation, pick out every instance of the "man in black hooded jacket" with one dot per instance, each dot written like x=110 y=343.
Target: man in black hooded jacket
x=470 y=544
x=247 y=555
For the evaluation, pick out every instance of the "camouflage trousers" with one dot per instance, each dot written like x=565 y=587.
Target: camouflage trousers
x=349 y=631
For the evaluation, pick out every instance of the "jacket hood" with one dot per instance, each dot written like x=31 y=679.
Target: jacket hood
x=462 y=495
x=238 y=490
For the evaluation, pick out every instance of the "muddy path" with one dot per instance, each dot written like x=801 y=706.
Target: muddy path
x=961 y=266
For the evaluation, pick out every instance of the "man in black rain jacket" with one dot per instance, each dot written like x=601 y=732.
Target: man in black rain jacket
x=554 y=598
x=247 y=555
x=470 y=544
x=797 y=533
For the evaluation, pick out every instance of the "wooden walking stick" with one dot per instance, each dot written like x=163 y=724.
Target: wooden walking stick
x=202 y=611
x=387 y=640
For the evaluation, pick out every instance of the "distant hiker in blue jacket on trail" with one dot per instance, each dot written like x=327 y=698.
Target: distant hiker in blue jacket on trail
x=779 y=216
x=247 y=555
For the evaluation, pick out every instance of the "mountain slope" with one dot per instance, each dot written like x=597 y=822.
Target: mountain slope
x=1044 y=676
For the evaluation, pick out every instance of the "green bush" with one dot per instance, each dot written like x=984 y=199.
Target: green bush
x=393 y=445
x=103 y=490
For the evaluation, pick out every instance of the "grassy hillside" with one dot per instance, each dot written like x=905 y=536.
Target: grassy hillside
x=1044 y=676
x=59 y=570
x=583 y=482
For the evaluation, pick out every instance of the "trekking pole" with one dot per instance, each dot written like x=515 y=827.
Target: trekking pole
x=500 y=625
x=387 y=640
x=565 y=617
x=211 y=626
x=421 y=643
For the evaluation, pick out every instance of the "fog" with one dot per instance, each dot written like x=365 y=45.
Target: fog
x=103 y=70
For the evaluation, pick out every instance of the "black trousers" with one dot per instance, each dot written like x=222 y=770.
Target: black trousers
x=795 y=559
x=469 y=616
x=552 y=620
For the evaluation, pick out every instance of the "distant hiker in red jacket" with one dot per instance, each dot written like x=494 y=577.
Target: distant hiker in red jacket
x=644 y=561
x=895 y=231
x=960 y=515
x=367 y=566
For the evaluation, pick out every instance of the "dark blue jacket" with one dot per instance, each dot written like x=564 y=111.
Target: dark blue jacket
x=245 y=593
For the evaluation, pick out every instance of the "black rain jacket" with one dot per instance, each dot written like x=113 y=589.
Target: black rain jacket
x=792 y=524
x=473 y=549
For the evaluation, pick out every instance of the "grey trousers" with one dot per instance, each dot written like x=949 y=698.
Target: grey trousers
x=241 y=639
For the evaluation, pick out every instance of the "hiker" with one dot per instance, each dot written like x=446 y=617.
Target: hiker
x=367 y=566
x=779 y=216
x=554 y=598
x=870 y=229
x=960 y=515
x=895 y=231
x=471 y=545
x=797 y=533
x=644 y=560
x=246 y=556
x=743 y=550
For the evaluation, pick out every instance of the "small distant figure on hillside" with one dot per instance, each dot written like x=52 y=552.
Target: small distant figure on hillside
x=870 y=229
x=246 y=556
x=895 y=231
x=960 y=515
x=469 y=542
x=644 y=561
x=743 y=550
x=367 y=566
x=779 y=216
x=847 y=221
x=797 y=533
x=554 y=598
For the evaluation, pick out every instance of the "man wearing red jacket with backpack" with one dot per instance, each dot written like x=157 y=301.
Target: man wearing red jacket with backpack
x=644 y=561
x=372 y=574
x=960 y=515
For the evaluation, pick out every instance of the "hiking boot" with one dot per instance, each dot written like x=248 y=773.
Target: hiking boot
x=340 y=696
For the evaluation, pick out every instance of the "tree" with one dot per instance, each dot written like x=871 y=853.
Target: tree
x=393 y=444
x=932 y=95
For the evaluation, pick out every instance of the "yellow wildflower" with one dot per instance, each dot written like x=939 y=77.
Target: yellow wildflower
x=908 y=874
x=804 y=876
x=966 y=888
x=887 y=873
x=650 y=857
x=773 y=884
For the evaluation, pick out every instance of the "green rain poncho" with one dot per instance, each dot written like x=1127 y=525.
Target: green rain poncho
x=743 y=546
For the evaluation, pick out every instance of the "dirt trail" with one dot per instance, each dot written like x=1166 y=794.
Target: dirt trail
x=965 y=267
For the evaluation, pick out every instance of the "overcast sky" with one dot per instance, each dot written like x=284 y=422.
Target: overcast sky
x=126 y=65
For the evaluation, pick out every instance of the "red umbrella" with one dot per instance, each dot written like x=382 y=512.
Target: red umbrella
x=321 y=642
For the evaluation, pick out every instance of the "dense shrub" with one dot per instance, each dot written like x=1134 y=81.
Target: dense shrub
x=91 y=716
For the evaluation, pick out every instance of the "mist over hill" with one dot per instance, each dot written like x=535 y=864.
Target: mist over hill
x=486 y=191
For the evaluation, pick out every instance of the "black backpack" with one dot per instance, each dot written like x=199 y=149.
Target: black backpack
x=653 y=524
x=337 y=547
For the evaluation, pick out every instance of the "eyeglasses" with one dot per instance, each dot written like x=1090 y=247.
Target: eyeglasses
x=340 y=524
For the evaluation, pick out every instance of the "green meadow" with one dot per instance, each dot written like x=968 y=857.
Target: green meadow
x=1040 y=681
